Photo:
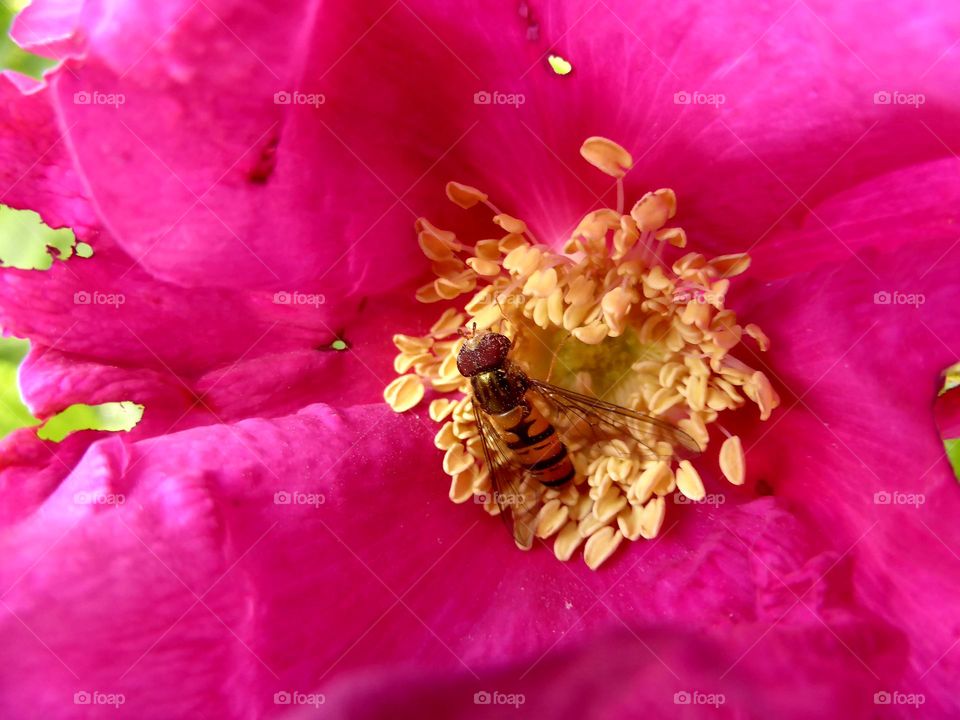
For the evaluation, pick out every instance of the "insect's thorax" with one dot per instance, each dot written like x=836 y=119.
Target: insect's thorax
x=500 y=390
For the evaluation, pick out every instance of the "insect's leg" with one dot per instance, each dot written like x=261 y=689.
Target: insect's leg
x=553 y=360
x=503 y=314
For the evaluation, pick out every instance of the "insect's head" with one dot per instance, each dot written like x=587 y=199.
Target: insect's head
x=481 y=353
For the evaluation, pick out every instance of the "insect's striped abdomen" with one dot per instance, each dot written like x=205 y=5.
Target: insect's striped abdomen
x=536 y=445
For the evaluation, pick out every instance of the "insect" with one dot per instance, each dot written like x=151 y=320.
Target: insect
x=517 y=418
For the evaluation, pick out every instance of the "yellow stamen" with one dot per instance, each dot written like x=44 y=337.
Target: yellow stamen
x=763 y=342
x=464 y=195
x=606 y=155
x=404 y=393
x=732 y=460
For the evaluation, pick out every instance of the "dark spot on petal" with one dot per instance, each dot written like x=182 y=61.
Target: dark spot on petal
x=763 y=488
x=265 y=160
x=533 y=27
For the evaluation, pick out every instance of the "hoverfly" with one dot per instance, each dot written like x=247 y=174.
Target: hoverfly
x=517 y=418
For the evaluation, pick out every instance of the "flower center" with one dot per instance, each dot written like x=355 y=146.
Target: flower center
x=607 y=317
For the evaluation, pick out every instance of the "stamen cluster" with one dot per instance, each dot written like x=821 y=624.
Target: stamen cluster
x=610 y=317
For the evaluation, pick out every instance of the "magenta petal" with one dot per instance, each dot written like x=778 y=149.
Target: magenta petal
x=198 y=519
x=947 y=411
x=233 y=515
x=31 y=469
x=279 y=202
x=36 y=169
x=857 y=353
x=251 y=158
x=641 y=671
x=798 y=121
x=49 y=28
x=876 y=215
x=106 y=309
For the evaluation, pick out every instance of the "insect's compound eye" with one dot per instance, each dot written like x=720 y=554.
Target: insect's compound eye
x=482 y=353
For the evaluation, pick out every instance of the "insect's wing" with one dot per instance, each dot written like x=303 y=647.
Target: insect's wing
x=605 y=421
x=517 y=500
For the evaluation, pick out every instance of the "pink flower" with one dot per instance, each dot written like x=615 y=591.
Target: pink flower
x=277 y=529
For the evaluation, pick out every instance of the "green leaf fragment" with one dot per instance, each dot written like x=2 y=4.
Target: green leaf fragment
x=113 y=416
x=13 y=413
x=28 y=244
x=953 y=454
x=951 y=378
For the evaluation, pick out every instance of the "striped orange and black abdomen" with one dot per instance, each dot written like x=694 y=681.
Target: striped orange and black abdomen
x=536 y=445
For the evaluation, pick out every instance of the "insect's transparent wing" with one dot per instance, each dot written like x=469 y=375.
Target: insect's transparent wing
x=603 y=421
x=518 y=500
